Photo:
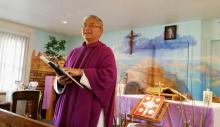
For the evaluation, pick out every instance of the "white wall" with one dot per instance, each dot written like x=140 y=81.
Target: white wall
x=210 y=32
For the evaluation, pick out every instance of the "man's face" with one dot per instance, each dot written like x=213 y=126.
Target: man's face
x=91 y=30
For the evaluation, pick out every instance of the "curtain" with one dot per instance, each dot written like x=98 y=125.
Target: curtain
x=13 y=49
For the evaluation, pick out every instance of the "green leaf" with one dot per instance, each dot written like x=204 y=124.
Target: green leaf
x=53 y=48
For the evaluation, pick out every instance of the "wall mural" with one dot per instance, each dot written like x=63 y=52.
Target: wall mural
x=169 y=61
x=147 y=61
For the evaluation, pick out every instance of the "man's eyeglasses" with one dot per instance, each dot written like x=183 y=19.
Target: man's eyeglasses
x=92 y=26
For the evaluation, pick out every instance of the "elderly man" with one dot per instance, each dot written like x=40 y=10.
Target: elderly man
x=93 y=65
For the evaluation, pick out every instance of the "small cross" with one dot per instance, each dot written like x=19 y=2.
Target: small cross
x=131 y=40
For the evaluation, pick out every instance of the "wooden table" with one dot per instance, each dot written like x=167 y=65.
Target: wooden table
x=5 y=105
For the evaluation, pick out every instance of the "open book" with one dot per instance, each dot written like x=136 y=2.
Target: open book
x=58 y=69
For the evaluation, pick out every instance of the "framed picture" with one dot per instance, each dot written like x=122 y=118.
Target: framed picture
x=170 y=32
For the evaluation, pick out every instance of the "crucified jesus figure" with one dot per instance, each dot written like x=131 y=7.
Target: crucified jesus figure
x=131 y=41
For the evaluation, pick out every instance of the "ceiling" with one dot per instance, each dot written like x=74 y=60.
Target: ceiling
x=116 y=14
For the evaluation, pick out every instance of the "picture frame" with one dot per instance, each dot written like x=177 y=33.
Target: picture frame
x=170 y=32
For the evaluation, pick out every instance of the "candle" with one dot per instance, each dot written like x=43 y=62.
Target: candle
x=207 y=97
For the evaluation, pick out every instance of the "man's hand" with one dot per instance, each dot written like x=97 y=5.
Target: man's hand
x=74 y=71
x=63 y=80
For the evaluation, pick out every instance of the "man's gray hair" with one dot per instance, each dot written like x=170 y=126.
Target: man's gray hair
x=96 y=18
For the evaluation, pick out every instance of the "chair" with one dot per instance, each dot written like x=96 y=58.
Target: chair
x=32 y=97
x=132 y=88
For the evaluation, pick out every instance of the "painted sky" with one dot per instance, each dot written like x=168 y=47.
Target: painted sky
x=140 y=43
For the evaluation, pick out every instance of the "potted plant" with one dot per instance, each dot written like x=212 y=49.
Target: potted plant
x=54 y=49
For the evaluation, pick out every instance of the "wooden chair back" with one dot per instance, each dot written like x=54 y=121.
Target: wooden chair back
x=32 y=97
x=9 y=119
x=132 y=88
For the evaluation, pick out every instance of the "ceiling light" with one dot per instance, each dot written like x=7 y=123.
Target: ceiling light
x=64 y=22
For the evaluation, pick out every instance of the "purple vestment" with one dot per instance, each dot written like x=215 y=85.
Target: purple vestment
x=81 y=107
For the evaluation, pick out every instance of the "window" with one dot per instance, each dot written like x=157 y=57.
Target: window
x=13 y=49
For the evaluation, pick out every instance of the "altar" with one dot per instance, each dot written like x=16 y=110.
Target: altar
x=179 y=113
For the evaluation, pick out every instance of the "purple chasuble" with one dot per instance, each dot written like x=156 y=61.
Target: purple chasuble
x=81 y=107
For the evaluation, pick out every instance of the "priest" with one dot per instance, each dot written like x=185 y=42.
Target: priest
x=93 y=65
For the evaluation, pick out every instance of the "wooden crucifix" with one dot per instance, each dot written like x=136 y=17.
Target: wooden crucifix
x=131 y=41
